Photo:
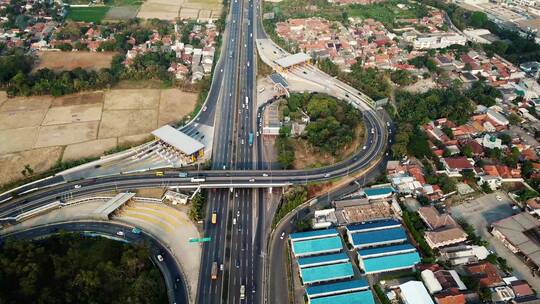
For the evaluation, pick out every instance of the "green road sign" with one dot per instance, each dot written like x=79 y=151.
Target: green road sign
x=200 y=240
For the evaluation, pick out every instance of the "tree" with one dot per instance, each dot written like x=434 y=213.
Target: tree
x=514 y=119
x=467 y=151
x=478 y=19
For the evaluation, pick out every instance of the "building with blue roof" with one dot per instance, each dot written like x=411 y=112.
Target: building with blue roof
x=378 y=238
x=359 y=297
x=386 y=250
x=373 y=226
x=378 y=192
x=389 y=262
x=315 y=234
x=326 y=273
x=320 y=260
x=317 y=246
x=336 y=288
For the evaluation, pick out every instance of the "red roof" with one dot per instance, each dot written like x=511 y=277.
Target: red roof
x=486 y=273
x=458 y=163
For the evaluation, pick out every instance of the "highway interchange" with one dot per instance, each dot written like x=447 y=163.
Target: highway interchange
x=231 y=109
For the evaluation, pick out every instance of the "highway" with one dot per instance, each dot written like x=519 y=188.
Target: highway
x=176 y=288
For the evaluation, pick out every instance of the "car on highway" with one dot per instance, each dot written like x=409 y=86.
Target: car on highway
x=265 y=174
x=234 y=221
x=204 y=109
x=372 y=130
x=120 y=233
x=238 y=213
x=77 y=186
x=499 y=198
x=251 y=180
x=242 y=141
x=282 y=235
x=327 y=175
x=237 y=264
x=159 y=257
x=364 y=147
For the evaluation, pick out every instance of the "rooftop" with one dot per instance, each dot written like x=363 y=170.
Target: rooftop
x=378 y=191
x=335 y=288
x=363 y=297
x=373 y=225
x=522 y=231
x=323 y=259
x=364 y=239
x=112 y=204
x=326 y=273
x=415 y=292
x=278 y=79
x=315 y=234
x=331 y=244
x=391 y=262
x=434 y=219
x=292 y=60
x=178 y=140
x=386 y=250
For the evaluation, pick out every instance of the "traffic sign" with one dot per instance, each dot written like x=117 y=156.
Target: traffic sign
x=200 y=240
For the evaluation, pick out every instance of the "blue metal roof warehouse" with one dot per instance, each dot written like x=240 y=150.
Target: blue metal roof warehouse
x=373 y=225
x=315 y=234
x=323 y=260
x=386 y=250
x=317 y=246
x=336 y=288
x=359 y=297
x=390 y=262
x=378 y=238
x=326 y=273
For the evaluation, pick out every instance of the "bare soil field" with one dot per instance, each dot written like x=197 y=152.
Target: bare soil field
x=40 y=131
x=185 y=9
x=60 y=61
x=121 y=13
x=305 y=157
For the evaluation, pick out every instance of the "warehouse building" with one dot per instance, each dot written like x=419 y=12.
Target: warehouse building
x=326 y=273
x=378 y=193
x=311 y=235
x=321 y=260
x=360 y=297
x=387 y=263
x=336 y=288
x=386 y=250
x=316 y=246
x=378 y=238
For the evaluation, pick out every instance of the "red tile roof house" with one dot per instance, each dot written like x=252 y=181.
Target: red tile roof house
x=444 y=230
x=486 y=273
x=454 y=165
x=522 y=291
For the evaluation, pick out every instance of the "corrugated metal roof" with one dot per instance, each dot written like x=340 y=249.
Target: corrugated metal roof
x=415 y=292
x=323 y=259
x=390 y=262
x=326 y=273
x=313 y=234
x=336 y=288
x=178 y=140
x=386 y=250
x=360 y=297
x=371 y=238
x=373 y=225
x=291 y=60
x=331 y=244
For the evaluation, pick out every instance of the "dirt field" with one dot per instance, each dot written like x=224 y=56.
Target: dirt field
x=305 y=157
x=202 y=10
x=121 y=13
x=39 y=131
x=60 y=61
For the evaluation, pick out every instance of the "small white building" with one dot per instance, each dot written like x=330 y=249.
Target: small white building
x=414 y=292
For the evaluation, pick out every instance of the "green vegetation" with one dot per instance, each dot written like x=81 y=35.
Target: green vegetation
x=416 y=228
x=483 y=94
x=293 y=198
x=196 y=211
x=87 y=14
x=387 y=12
x=285 y=148
x=383 y=299
x=403 y=77
x=69 y=268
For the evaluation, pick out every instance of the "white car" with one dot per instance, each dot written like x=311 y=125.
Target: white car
x=265 y=174
x=159 y=258
x=120 y=233
x=327 y=175
x=282 y=235
x=252 y=180
x=234 y=221
x=204 y=109
x=77 y=186
x=499 y=198
x=364 y=147
x=238 y=213
x=242 y=141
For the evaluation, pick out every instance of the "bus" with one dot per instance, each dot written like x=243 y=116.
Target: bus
x=159 y=173
x=250 y=139
x=214 y=217
x=214 y=271
x=242 y=292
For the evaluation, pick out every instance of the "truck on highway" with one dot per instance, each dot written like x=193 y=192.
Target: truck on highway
x=242 y=292
x=250 y=139
x=214 y=217
x=159 y=173
x=182 y=174
x=197 y=180
x=214 y=271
